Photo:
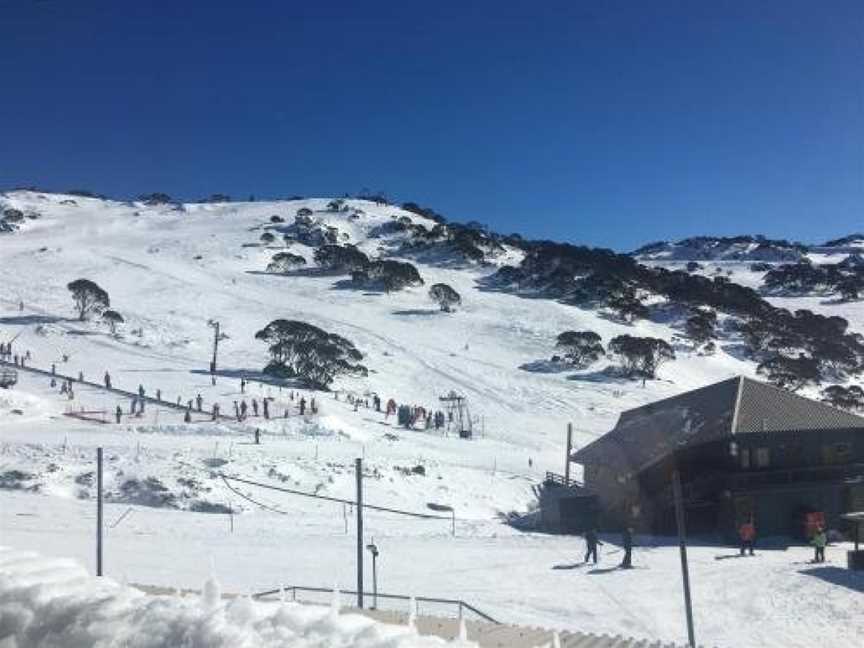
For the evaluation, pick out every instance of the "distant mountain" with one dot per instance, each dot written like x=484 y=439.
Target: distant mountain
x=851 y=241
x=721 y=248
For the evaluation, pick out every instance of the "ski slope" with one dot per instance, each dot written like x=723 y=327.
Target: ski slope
x=169 y=272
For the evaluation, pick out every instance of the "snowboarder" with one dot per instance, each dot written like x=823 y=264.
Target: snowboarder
x=302 y=406
x=199 y=401
x=107 y=380
x=63 y=387
x=819 y=541
x=591 y=542
x=627 y=543
x=747 y=533
x=118 y=413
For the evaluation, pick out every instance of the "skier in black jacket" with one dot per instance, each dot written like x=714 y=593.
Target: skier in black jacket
x=591 y=543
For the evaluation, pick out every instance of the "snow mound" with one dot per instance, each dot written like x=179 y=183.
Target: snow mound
x=51 y=603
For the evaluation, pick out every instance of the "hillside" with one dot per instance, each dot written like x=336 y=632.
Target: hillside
x=171 y=268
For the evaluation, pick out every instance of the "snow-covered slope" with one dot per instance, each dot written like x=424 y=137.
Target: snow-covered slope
x=170 y=269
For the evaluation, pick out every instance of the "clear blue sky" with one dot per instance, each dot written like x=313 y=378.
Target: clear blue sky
x=609 y=123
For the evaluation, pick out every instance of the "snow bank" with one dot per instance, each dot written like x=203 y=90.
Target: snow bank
x=50 y=602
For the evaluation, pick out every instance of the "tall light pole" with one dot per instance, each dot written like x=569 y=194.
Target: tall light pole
x=373 y=549
x=358 y=470
x=682 y=543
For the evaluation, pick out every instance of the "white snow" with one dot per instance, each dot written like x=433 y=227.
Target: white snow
x=47 y=603
x=494 y=350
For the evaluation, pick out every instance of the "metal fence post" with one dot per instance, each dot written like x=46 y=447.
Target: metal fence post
x=358 y=469
x=99 y=511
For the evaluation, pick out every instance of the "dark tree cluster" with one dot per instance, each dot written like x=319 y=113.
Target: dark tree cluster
x=790 y=373
x=343 y=259
x=849 y=398
x=845 y=279
x=700 y=326
x=387 y=274
x=428 y=212
x=580 y=348
x=156 y=198
x=301 y=350
x=640 y=357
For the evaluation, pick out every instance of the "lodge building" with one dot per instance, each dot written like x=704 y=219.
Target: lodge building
x=742 y=448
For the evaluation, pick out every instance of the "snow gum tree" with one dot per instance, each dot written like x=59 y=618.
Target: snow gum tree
x=445 y=296
x=301 y=350
x=113 y=318
x=282 y=262
x=88 y=297
x=581 y=348
x=641 y=356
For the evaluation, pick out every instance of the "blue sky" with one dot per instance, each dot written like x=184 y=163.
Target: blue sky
x=607 y=123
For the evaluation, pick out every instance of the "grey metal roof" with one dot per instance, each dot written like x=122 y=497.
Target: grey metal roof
x=766 y=408
x=736 y=406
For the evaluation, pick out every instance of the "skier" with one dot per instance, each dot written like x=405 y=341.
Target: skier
x=107 y=380
x=236 y=411
x=591 y=543
x=302 y=406
x=63 y=387
x=257 y=436
x=199 y=401
x=627 y=543
x=243 y=409
x=819 y=541
x=141 y=390
x=81 y=376
x=187 y=417
x=133 y=407
x=266 y=405
x=53 y=369
x=242 y=385
x=747 y=533
x=118 y=413
x=254 y=407
x=158 y=394
x=215 y=411
x=314 y=406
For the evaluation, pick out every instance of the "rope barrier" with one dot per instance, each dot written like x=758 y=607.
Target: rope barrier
x=225 y=478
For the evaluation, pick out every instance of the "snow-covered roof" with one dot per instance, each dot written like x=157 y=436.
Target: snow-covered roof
x=739 y=405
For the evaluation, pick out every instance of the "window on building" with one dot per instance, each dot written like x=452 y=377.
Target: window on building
x=763 y=457
x=744 y=453
x=836 y=453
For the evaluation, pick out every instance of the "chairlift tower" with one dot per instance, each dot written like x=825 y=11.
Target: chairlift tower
x=457 y=409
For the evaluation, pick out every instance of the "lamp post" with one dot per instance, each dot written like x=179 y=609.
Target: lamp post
x=373 y=549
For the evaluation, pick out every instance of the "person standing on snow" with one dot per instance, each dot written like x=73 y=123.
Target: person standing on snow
x=107 y=380
x=199 y=401
x=820 y=539
x=302 y=406
x=747 y=533
x=591 y=542
x=627 y=544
